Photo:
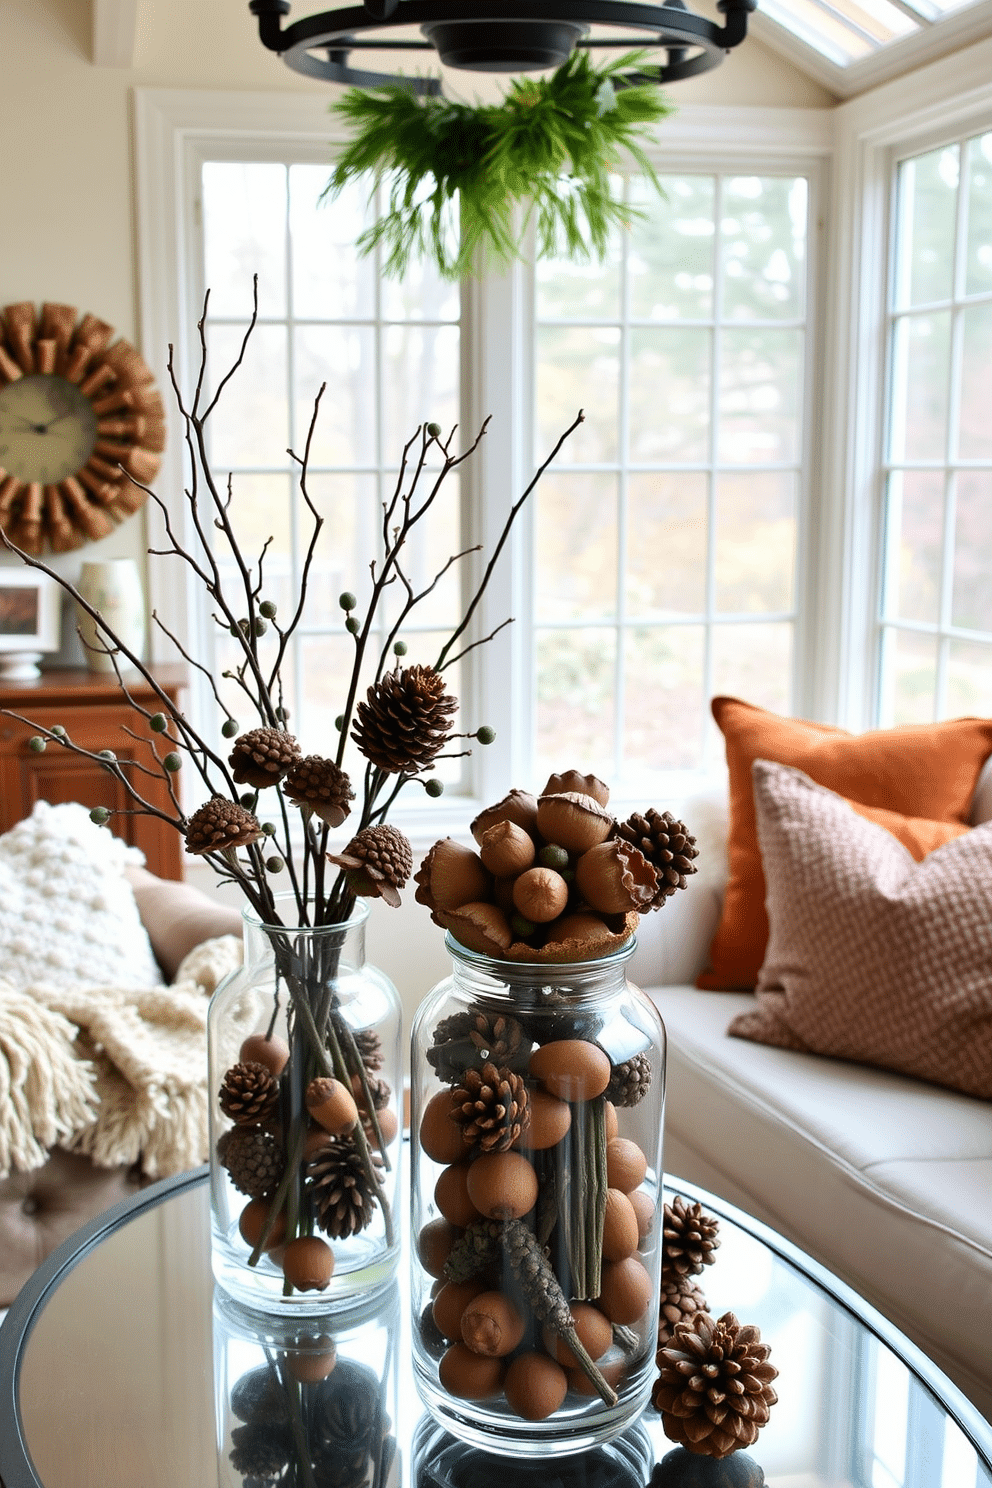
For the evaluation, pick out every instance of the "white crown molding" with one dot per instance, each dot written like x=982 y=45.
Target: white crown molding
x=115 y=24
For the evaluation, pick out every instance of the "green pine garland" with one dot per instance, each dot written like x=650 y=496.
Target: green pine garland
x=456 y=174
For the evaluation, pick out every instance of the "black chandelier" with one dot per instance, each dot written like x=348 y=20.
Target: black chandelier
x=509 y=36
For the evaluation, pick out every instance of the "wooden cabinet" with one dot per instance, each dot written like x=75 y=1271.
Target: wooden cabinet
x=96 y=714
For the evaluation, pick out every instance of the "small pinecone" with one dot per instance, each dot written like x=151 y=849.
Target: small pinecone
x=343 y=1199
x=470 y=1040
x=666 y=843
x=369 y=1046
x=380 y=860
x=535 y=1276
x=348 y=1425
x=380 y=1091
x=492 y=1108
x=688 y=1239
x=714 y=1387
x=681 y=1298
x=405 y=721
x=220 y=824
x=258 y=1397
x=629 y=1081
x=253 y=1159
x=262 y=756
x=323 y=786
x=249 y=1093
x=260 y=1451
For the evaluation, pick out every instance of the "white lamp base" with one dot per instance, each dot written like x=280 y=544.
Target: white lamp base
x=20 y=666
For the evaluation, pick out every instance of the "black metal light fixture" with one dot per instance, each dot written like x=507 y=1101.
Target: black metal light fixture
x=498 y=36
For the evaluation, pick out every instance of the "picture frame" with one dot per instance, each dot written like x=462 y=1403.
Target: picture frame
x=30 y=616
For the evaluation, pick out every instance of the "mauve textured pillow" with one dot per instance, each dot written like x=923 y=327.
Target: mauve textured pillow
x=871 y=956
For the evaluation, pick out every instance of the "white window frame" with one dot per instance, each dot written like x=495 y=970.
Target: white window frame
x=176 y=129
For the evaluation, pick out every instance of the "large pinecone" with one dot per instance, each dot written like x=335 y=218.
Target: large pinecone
x=220 y=824
x=260 y=1451
x=344 y=1201
x=249 y=1093
x=469 y=1040
x=714 y=1388
x=688 y=1239
x=379 y=861
x=666 y=843
x=629 y=1081
x=321 y=785
x=253 y=1159
x=681 y=1298
x=405 y=721
x=492 y=1108
x=262 y=757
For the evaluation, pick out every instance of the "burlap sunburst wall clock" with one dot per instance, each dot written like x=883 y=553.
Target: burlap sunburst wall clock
x=79 y=417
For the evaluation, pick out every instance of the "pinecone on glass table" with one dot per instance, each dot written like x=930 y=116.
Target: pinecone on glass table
x=689 y=1239
x=680 y=1299
x=714 y=1387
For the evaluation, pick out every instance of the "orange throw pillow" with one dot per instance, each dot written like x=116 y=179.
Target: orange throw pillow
x=917 y=781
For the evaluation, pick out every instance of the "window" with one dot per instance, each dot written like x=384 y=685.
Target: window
x=935 y=630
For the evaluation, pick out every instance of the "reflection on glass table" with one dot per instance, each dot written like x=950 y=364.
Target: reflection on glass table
x=120 y=1368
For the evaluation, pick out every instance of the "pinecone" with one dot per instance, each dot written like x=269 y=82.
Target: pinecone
x=253 y=1159
x=469 y=1040
x=257 y=1396
x=369 y=1046
x=379 y=861
x=629 y=1081
x=260 y=1451
x=380 y=1091
x=348 y=1424
x=405 y=721
x=262 y=757
x=714 y=1388
x=321 y=785
x=220 y=824
x=681 y=1298
x=492 y=1108
x=688 y=1239
x=666 y=843
x=343 y=1198
x=249 y=1093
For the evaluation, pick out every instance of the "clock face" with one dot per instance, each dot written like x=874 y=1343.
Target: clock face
x=47 y=428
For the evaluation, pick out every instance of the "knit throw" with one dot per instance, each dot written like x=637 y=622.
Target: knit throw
x=116 y=1073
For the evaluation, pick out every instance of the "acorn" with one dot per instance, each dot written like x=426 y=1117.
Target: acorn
x=571 y=780
x=479 y=927
x=252 y=1224
x=506 y=849
x=615 y=877
x=308 y=1263
x=332 y=1105
x=535 y=1385
x=517 y=806
x=273 y=1052
x=540 y=894
x=451 y=875
x=573 y=820
x=491 y=1324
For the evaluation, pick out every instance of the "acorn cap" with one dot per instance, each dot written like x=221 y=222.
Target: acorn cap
x=451 y=875
x=478 y=927
x=577 y=947
x=571 y=780
x=573 y=820
x=517 y=806
x=614 y=877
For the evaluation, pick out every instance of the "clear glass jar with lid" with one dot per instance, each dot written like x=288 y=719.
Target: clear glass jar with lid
x=537 y=1112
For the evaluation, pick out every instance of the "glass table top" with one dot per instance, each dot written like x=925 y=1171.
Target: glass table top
x=119 y=1366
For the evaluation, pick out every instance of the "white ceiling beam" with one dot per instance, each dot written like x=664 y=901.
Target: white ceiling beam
x=114 y=30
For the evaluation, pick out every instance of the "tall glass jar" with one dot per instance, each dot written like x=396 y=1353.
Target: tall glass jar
x=536 y=1122
x=305 y=1086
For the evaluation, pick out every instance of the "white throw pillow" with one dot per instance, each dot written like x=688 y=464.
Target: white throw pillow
x=67 y=913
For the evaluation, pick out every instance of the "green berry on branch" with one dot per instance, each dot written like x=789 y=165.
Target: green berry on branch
x=399 y=648
x=268 y=609
x=158 y=723
x=274 y=865
x=282 y=714
x=109 y=755
x=347 y=600
x=434 y=787
x=260 y=627
x=58 y=730
x=352 y=624
x=521 y=926
x=485 y=734
x=248 y=800
x=229 y=728
x=434 y=431
x=553 y=856
x=172 y=763
x=244 y=626
x=339 y=722
x=100 y=815
x=37 y=744
x=269 y=828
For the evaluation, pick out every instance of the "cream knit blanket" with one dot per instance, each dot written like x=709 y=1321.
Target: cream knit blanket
x=117 y=1074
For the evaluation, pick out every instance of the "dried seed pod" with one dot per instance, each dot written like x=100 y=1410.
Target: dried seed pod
x=517 y=806
x=573 y=820
x=571 y=780
x=479 y=927
x=451 y=875
x=490 y=1324
x=262 y=757
x=405 y=720
x=220 y=824
x=506 y=849
x=267 y=1049
x=379 y=861
x=615 y=877
x=491 y=1107
x=321 y=785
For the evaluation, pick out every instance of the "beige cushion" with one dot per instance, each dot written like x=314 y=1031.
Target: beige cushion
x=883 y=1178
x=178 y=917
x=871 y=956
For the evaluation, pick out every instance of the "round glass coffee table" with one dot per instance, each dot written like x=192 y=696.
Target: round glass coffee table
x=120 y=1368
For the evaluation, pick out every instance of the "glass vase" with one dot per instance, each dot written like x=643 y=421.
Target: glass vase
x=305 y=1117
x=536 y=1170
